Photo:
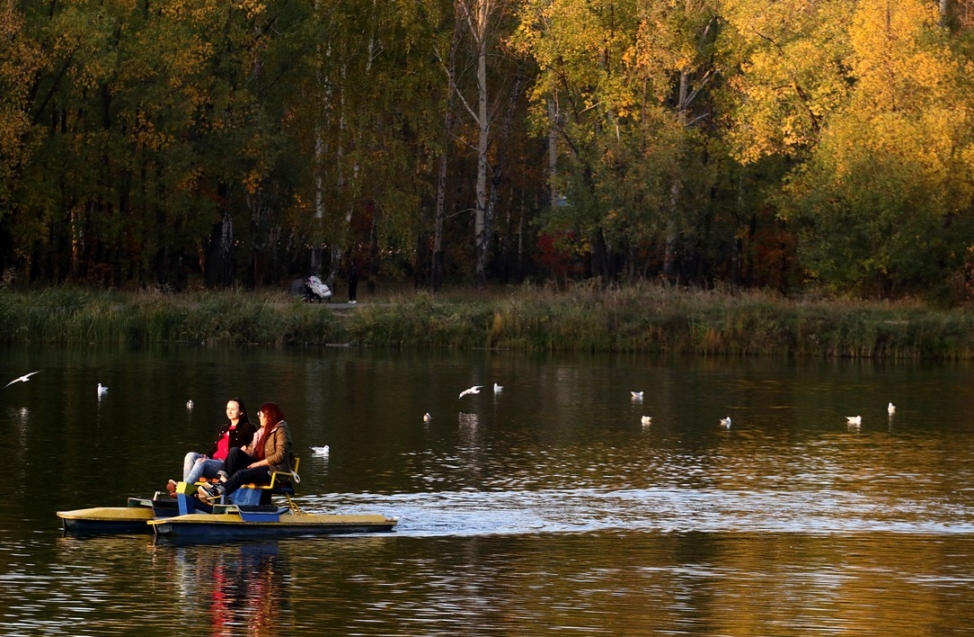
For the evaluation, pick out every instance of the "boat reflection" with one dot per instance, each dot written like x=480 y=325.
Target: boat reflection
x=243 y=585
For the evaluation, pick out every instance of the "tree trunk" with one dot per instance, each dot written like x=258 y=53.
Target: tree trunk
x=317 y=253
x=439 y=214
x=496 y=177
x=219 y=261
x=670 y=250
x=553 y=118
x=483 y=138
x=478 y=18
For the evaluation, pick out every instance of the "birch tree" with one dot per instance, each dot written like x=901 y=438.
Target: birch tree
x=484 y=22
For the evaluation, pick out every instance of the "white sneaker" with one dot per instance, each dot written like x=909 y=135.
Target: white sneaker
x=353 y=301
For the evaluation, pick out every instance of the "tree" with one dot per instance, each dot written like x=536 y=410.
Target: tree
x=625 y=86
x=20 y=59
x=885 y=197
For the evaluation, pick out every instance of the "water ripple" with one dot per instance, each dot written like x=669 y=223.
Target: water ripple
x=651 y=510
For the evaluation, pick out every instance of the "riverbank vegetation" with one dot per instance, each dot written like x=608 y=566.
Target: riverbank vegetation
x=642 y=318
x=743 y=143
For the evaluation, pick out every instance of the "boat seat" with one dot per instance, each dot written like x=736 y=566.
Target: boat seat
x=281 y=481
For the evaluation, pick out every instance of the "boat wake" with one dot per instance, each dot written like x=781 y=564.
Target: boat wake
x=463 y=513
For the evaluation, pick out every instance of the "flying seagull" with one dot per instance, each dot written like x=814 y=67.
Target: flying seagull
x=725 y=422
x=473 y=390
x=854 y=420
x=22 y=379
x=636 y=395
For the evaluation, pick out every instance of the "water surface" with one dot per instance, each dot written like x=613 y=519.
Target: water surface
x=547 y=508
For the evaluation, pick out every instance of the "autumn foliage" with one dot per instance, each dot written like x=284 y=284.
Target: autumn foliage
x=786 y=145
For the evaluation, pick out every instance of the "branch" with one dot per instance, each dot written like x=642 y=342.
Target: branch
x=450 y=77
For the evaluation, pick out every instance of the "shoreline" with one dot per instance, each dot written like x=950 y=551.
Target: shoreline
x=642 y=318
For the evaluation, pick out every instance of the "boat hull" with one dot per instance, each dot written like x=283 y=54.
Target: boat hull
x=233 y=526
x=107 y=520
x=125 y=520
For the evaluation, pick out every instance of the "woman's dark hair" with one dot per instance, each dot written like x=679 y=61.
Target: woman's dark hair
x=244 y=418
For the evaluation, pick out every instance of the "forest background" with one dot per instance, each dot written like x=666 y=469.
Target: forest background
x=794 y=145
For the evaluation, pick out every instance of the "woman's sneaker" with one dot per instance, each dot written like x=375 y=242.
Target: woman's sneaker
x=211 y=493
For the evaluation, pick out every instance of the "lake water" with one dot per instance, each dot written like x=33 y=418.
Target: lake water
x=545 y=509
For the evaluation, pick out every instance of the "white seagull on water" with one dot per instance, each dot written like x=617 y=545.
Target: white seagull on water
x=473 y=390
x=102 y=390
x=636 y=395
x=427 y=417
x=190 y=404
x=891 y=409
x=498 y=388
x=725 y=422
x=320 y=451
x=854 y=421
x=646 y=420
x=22 y=379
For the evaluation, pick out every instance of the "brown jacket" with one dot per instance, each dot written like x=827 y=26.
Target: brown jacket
x=277 y=450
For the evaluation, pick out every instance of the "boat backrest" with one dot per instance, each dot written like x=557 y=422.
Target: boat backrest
x=281 y=480
x=291 y=475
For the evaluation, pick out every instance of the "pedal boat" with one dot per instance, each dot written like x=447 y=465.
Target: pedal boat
x=252 y=515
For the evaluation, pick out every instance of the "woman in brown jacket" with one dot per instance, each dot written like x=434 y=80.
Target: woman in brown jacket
x=270 y=451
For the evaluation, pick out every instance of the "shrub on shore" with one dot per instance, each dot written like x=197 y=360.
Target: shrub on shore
x=638 y=318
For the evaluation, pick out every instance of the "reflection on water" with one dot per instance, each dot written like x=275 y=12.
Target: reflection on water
x=600 y=583
x=243 y=585
x=543 y=509
x=112 y=585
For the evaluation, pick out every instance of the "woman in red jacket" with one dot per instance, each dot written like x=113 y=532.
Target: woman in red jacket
x=237 y=432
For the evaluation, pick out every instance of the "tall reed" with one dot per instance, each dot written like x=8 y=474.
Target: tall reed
x=70 y=315
x=636 y=318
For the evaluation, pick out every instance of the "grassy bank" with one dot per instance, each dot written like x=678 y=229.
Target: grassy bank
x=644 y=318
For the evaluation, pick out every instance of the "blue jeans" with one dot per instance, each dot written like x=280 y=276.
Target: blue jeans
x=193 y=470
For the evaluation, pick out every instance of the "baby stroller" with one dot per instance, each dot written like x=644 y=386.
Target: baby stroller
x=316 y=290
